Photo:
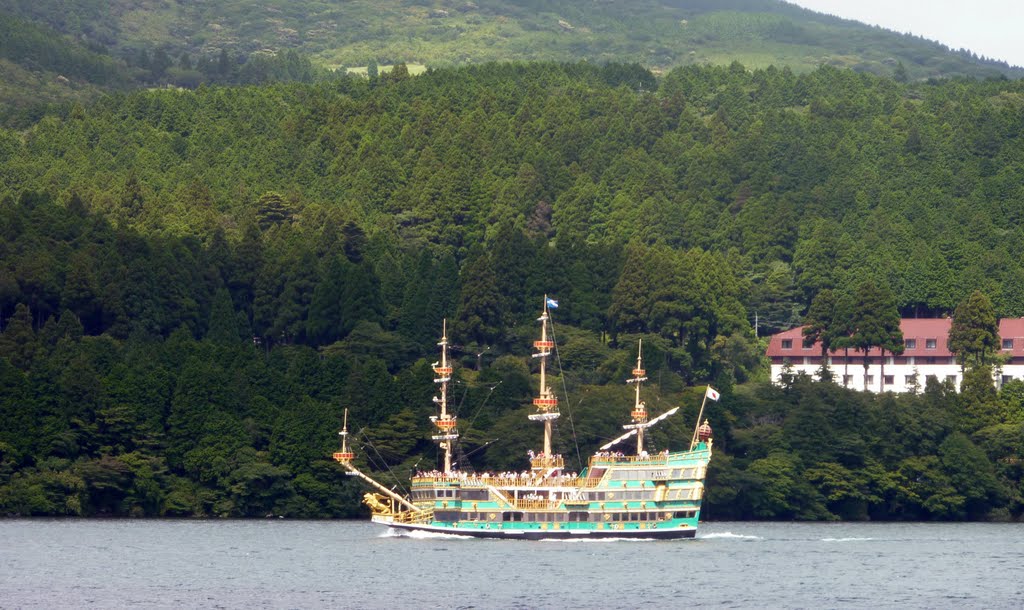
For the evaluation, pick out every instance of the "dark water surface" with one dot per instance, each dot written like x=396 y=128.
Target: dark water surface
x=316 y=564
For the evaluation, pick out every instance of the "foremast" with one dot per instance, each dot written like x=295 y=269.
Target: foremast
x=639 y=408
x=447 y=432
x=345 y=457
x=546 y=403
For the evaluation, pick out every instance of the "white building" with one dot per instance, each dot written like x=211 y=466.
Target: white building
x=926 y=354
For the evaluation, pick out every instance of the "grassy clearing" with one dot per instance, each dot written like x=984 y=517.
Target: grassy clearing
x=414 y=69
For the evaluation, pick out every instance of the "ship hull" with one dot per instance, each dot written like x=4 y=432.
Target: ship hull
x=539 y=534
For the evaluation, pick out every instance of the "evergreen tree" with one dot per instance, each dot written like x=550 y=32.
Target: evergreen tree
x=974 y=333
x=875 y=323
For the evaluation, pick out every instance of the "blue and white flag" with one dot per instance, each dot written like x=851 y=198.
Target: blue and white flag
x=553 y=304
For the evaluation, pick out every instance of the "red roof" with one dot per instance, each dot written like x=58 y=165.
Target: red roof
x=922 y=337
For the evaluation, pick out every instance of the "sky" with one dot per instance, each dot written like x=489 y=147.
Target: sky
x=993 y=28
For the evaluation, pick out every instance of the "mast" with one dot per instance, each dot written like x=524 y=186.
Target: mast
x=345 y=457
x=546 y=402
x=445 y=422
x=639 y=408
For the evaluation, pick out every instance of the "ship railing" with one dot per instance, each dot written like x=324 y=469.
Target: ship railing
x=547 y=462
x=658 y=459
x=525 y=504
x=504 y=481
x=414 y=516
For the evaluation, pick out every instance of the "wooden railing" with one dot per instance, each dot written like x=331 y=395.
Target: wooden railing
x=412 y=516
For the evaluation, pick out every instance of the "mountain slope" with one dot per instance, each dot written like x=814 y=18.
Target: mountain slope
x=656 y=34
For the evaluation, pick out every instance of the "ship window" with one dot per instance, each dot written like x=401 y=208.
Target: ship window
x=474 y=494
x=511 y=516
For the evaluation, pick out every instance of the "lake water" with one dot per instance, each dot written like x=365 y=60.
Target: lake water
x=336 y=564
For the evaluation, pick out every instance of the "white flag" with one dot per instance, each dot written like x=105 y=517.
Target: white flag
x=712 y=393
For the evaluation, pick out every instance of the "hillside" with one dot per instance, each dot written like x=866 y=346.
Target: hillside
x=194 y=283
x=658 y=35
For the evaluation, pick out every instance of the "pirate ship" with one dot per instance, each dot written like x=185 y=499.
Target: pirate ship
x=633 y=494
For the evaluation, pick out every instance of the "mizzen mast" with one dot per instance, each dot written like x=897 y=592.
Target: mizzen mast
x=639 y=408
x=546 y=402
x=445 y=422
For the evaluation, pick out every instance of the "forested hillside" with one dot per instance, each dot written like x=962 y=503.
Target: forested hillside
x=196 y=283
x=661 y=35
x=54 y=52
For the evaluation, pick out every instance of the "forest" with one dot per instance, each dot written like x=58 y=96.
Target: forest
x=195 y=284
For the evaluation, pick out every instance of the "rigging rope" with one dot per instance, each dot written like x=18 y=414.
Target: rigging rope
x=463 y=456
x=398 y=483
x=565 y=390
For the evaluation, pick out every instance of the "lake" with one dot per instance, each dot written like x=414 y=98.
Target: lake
x=340 y=564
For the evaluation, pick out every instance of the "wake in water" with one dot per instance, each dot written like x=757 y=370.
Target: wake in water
x=395 y=533
x=581 y=539
x=729 y=535
x=846 y=539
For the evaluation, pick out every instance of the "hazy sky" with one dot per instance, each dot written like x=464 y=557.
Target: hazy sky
x=993 y=28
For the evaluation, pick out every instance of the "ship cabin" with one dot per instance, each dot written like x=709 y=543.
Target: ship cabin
x=648 y=491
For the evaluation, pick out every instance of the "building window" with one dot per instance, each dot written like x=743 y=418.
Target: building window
x=1006 y=379
x=847 y=379
x=787 y=344
x=910 y=343
x=808 y=344
x=930 y=343
x=930 y=378
x=910 y=379
x=1007 y=343
x=951 y=378
x=871 y=379
x=888 y=380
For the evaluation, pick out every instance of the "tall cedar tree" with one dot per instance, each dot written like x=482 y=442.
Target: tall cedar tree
x=974 y=335
x=819 y=324
x=875 y=322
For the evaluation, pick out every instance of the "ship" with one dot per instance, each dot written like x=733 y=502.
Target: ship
x=634 y=494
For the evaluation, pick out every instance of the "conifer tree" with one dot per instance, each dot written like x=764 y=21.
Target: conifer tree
x=974 y=334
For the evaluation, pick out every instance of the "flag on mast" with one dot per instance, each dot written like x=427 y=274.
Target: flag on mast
x=712 y=393
x=553 y=304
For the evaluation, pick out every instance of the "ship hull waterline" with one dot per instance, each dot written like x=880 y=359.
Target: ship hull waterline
x=537 y=534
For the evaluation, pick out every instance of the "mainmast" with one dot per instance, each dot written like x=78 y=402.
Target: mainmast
x=445 y=422
x=547 y=402
x=639 y=408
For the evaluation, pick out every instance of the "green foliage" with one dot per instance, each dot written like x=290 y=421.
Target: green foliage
x=974 y=334
x=193 y=285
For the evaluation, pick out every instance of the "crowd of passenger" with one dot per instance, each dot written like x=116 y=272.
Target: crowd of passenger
x=503 y=478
